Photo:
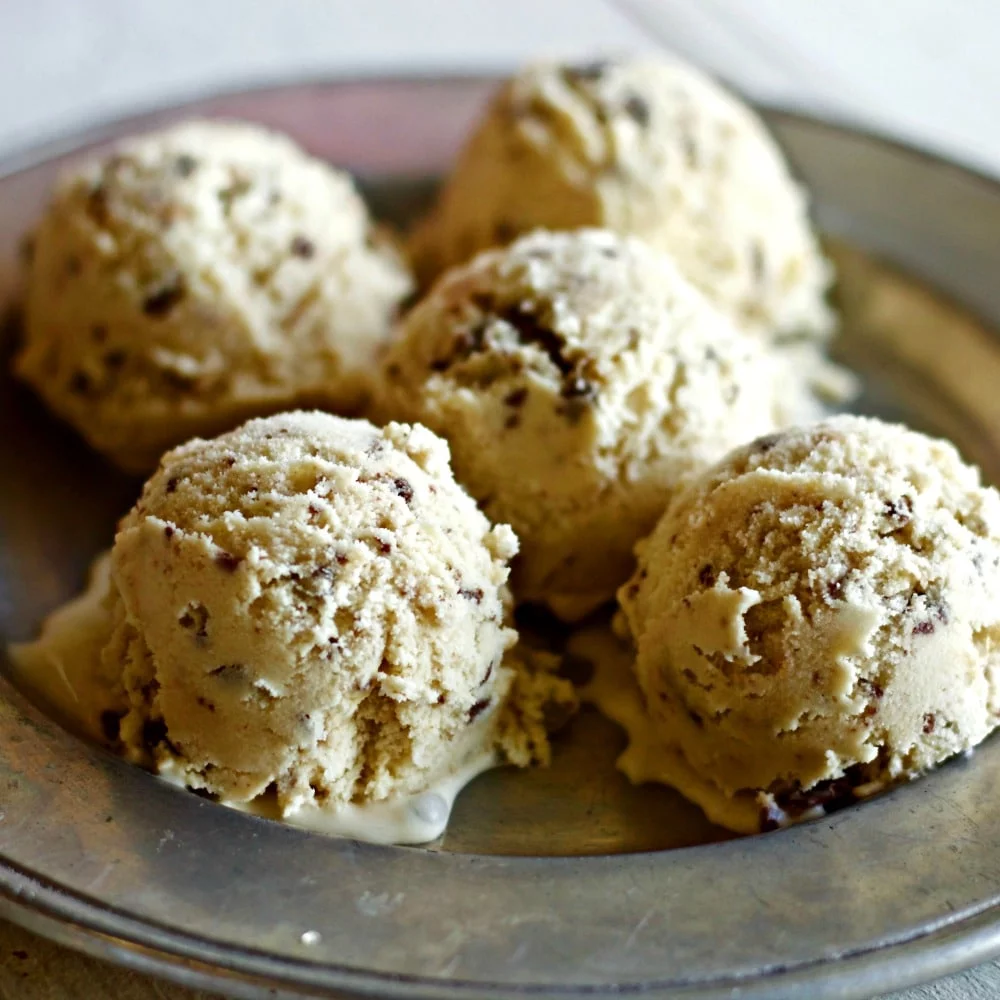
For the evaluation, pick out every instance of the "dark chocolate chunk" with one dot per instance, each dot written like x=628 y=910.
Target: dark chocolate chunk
x=228 y=561
x=162 y=302
x=302 y=247
x=637 y=109
x=478 y=708
x=403 y=489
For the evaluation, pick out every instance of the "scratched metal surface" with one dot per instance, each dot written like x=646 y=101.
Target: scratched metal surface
x=557 y=883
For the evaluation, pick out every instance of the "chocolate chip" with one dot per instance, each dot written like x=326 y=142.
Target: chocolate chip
x=516 y=397
x=384 y=547
x=835 y=589
x=205 y=703
x=341 y=559
x=478 y=708
x=923 y=628
x=185 y=165
x=637 y=109
x=171 y=484
x=706 y=576
x=695 y=718
x=154 y=732
x=930 y=720
x=874 y=689
x=303 y=247
x=512 y=421
x=765 y=443
x=531 y=330
x=114 y=359
x=162 y=302
x=97 y=206
x=489 y=672
x=403 y=489
x=195 y=619
x=168 y=531
x=899 y=511
x=475 y=594
x=228 y=561
x=111 y=725
x=228 y=671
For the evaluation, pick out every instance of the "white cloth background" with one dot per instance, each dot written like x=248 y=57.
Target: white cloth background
x=922 y=69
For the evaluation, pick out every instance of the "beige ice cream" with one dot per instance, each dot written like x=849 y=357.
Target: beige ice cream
x=649 y=147
x=198 y=276
x=816 y=617
x=579 y=378
x=312 y=607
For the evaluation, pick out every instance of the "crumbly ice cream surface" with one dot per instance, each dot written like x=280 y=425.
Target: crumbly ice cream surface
x=579 y=379
x=198 y=276
x=816 y=617
x=650 y=147
x=312 y=606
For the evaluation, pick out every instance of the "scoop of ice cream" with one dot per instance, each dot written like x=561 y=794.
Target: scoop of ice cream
x=199 y=276
x=816 y=617
x=649 y=147
x=313 y=605
x=579 y=379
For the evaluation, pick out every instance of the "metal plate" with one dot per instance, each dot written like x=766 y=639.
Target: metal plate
x=558 y=883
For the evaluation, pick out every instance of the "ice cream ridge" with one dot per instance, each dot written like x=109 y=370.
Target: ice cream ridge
x=580 y=379
x=311 y=609
x=196 y=277
x=813 y=619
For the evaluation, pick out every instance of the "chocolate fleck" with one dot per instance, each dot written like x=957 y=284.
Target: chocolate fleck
x=169 y=530
x=478 y=708
x=474 y=594
x=403 y=489
x=80 y=384
x=637 y=109
x=185 y=165
x=516 y=397
x=171 y=484
x=577 y=388
x=930 y=720
x=706 y=576
x=303 y=247
x=162 y=302
x=228 y=561
x=114 y=359
x=923 y=628
x=770 y=818
x=765 y=443
x=205 y=703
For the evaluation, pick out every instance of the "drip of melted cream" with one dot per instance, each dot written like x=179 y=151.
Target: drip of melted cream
x=650 y=756
x=62 y=669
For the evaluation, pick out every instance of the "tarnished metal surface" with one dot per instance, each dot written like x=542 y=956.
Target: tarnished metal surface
x=552 y=883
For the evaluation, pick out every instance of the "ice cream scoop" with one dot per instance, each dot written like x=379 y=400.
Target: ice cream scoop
x=311 y=607
x=816 y=617
x=650 y=147
x=198 y=276
x=580 y=379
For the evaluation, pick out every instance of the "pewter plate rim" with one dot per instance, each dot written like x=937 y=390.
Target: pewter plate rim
x=928 y=951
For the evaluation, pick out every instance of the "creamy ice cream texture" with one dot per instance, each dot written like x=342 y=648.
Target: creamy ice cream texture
x=579 y=379
x=815 y=617
x=649 y=147
x=196 y=277
x=312 y=608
